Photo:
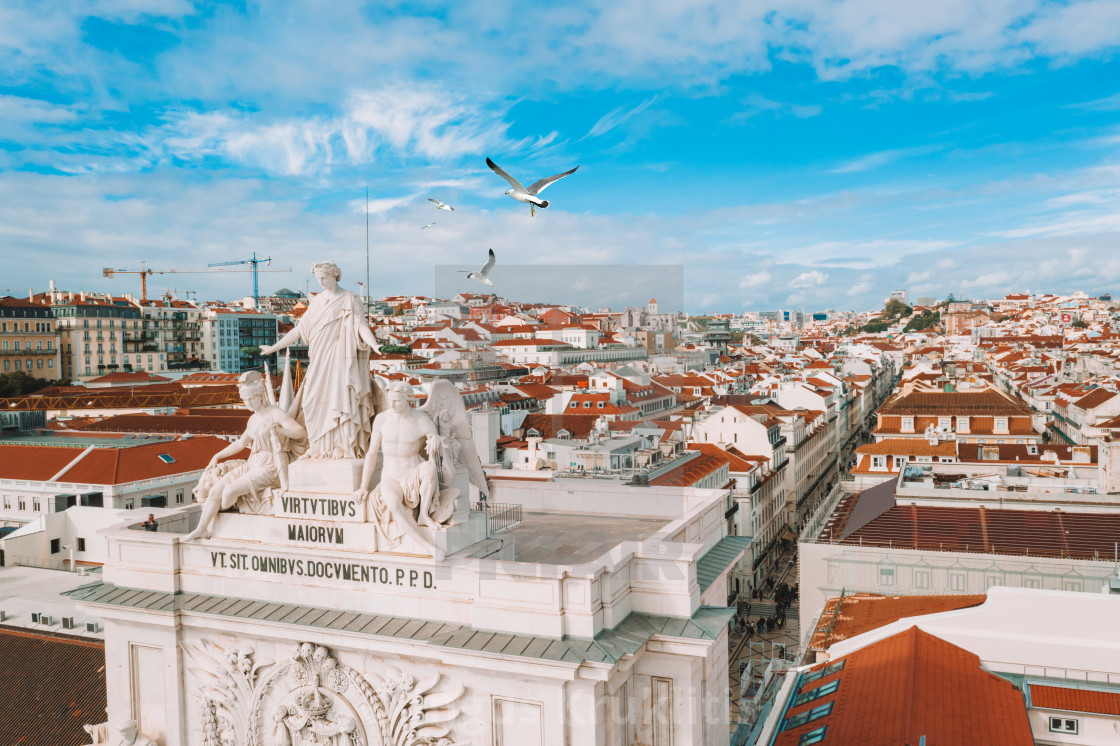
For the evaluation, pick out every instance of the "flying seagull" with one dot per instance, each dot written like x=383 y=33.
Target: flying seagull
x=429 y=225
x=440 y=205
x=483 y=275
x=529 y=196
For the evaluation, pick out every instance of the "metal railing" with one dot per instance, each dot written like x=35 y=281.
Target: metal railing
x=40 y=562
x=500 y=516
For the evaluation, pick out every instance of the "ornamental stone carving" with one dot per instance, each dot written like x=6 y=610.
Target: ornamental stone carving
x=310 y=699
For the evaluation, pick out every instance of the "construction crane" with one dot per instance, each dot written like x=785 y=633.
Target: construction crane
x=144 y=271
x=253 y=263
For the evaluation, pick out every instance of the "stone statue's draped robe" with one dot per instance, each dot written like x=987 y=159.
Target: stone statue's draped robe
x=335 y=401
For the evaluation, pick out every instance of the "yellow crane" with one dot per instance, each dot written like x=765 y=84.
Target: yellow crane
x=145 y=271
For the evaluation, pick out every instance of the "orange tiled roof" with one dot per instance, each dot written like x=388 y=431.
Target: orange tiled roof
x=691 y=472
x=1075 y=700
x=863 y=612
x=120 y=465
x=910 y=685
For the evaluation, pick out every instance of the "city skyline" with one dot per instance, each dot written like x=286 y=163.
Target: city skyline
x=788 y=156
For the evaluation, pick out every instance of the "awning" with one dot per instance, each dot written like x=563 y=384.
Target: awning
x=788 y=535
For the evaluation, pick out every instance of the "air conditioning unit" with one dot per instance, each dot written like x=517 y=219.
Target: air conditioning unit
x=93 y=626
x=68 y=622
x=3 y=616
x=47 y=620
x=36 y=617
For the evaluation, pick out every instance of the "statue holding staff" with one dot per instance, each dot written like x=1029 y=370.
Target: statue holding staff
x=335 y=402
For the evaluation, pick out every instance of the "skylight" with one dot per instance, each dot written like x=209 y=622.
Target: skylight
x=165 y=458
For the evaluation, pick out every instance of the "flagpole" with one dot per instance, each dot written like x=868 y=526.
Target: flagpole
x=366 y=321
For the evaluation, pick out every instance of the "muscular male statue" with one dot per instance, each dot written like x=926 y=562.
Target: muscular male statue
x=408 y=495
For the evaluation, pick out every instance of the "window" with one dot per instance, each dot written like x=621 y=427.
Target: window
x=1001 y=424
x=907 y=424
x=813 y=736
x=899 y=462
x=179 y=496
x=165 y=458
x=81 y=545
x=886 y=576
x=56 y=546
x=129 y=503
x=878 y=462
x=956 y=581
x=1063 y=725
x=37 y=505
x=807 y=717
x=962 y=424
x=820 y=691
x=824 y=672
x=22 y=503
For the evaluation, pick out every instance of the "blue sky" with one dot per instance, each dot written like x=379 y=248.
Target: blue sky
x=800 y=153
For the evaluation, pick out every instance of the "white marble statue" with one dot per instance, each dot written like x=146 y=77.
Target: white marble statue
x=98 y=733
x=409 y=495
x=273 y=438
x=131 y=735
x=335 y=402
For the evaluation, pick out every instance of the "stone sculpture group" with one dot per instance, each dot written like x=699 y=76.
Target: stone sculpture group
x=342 y=412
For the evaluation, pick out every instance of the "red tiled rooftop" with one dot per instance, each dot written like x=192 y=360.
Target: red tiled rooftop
x=61 y=684
x=107 y=465
x=862 y=612
x=910 y=685
x=1034 y=533
x=34 y=463
x=691 y=472
x=1075 y=700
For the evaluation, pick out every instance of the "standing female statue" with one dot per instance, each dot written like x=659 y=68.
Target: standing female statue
x=335 y=401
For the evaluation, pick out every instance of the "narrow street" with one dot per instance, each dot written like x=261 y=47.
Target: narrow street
x=751 y=654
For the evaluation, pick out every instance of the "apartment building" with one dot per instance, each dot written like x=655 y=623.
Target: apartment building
x=29 y=339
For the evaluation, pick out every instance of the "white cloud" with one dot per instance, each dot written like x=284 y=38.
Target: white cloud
x=759 y=279
x=617 y=118
x=864 y=285
x=882 y=158
x=809 y=279
x=756 y=104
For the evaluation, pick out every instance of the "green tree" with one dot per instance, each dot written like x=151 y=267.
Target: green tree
x=1079 y=324
x=896 y=309
x=395 y=350
x=18 y=383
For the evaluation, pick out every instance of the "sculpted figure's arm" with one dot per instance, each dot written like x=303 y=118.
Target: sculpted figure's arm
x=366 y=335
x=289 y=427
x=234 y=447
x=284 y=342
x=371 y=459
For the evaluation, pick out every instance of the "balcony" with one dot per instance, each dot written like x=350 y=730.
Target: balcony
x=26 y=353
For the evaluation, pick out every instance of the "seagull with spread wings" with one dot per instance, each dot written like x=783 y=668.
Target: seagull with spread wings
x=440 y=205
x=429 y=225
x=483 y=275
x=528 y=196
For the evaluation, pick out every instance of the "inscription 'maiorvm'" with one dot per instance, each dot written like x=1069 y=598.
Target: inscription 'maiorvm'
x=319 y=534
